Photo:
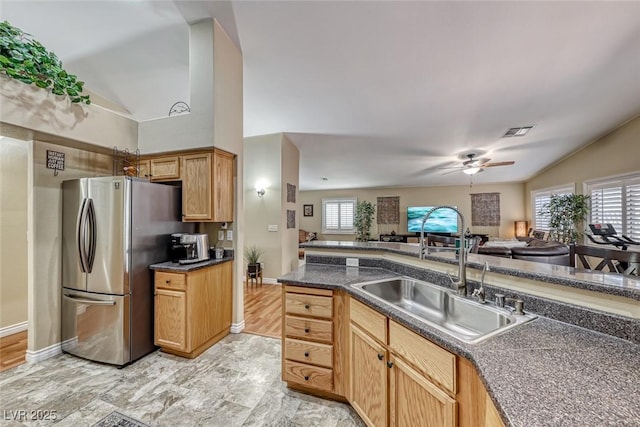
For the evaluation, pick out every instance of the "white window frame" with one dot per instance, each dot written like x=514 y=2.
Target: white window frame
x=545 y=194
x=340 y=229
x=629 y=222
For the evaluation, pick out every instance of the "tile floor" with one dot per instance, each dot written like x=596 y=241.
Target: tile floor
x=234 y=383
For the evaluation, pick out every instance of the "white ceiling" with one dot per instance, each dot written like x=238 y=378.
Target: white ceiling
x=374 y=93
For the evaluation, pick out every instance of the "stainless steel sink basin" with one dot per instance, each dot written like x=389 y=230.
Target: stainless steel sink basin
x=462 y=318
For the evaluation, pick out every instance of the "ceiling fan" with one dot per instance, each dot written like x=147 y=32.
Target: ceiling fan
x=473 y=165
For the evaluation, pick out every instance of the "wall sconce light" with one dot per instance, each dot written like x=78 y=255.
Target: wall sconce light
x=260 y=192
x=521 y=228
x=261 y=185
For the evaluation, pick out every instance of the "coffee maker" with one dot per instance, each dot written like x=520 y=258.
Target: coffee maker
x=189 y=248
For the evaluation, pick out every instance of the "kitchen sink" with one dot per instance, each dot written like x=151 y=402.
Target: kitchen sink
x=462 y=318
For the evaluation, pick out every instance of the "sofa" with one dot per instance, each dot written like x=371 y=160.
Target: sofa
x=304 y=236
x=530 y=249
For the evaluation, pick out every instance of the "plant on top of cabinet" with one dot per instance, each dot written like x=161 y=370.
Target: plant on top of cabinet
x=25 y=59
x=363 y=220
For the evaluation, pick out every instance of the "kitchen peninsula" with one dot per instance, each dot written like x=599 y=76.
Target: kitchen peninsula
x=576 y=364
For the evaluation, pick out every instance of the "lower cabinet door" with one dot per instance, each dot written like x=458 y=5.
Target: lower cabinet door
x=415 y=401
x=171 y=319
x=369 y=382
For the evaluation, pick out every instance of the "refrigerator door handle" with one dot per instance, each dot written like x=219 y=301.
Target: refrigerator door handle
x=88 y=301
x=91 y=211
x=81 y=236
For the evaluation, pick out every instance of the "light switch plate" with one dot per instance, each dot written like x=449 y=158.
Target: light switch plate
x=352 y=262
x=220 y=235
x=272 y=227
x=229 y=235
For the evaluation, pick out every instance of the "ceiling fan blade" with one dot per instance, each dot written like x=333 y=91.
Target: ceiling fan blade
x=453 y=171
x=489 y=165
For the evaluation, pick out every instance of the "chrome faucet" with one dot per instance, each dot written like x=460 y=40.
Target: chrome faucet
x=479 y=292
x=461 y=284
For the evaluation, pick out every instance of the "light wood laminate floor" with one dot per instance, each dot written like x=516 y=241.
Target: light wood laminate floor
x=13 y=349
x=263 y=310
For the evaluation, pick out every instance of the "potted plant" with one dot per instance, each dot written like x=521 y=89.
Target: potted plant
x=363 y=220
x=252 y=256
x=566 y=213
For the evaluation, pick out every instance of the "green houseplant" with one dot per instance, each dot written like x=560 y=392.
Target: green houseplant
x=566 y=213
x=363 y=220
x=252 y=256
x=25 y=59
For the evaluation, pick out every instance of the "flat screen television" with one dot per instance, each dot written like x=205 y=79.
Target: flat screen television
x=442 y=220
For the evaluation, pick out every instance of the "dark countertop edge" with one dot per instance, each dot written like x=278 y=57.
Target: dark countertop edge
x=174 y=267
x=542 y=277
x=440 y=338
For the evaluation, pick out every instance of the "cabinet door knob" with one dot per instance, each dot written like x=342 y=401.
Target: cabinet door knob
x=168 y=281
x=306 y=330
x=380 y=356
x=306 y=354
x=306 y=377
x=390 y=364
x=307 y=306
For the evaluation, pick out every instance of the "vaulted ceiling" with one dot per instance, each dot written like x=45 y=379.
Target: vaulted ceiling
x=374 y=93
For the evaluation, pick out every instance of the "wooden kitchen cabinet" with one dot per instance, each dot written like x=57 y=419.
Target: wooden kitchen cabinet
x=144 y=169
x=369 y=378
x=379 y=347
x=207 y=187
x=192 y=309
x=166 y=168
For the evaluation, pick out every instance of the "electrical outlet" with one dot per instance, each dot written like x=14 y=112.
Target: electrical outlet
x=352 y=262
x=220 y=235
x=229 y=235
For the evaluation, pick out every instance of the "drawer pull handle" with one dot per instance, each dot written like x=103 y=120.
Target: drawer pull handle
x=380 y=356
x=390 y=364
x=306 y=354
x=306 y=377
x=307 y=306
x=306 y=330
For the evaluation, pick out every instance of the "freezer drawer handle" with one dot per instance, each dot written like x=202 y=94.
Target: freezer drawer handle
x=89 y=301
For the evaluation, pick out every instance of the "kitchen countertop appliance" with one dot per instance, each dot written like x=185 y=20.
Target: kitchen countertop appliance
x=113 y=229
x=196 y=247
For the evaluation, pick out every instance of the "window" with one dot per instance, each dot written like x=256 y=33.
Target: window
x=616 y=201
x=539 y=199
x=337 y=215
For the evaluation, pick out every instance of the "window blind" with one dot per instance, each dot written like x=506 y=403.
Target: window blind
x=540 y=199
x=617 y=202
x=338 y=215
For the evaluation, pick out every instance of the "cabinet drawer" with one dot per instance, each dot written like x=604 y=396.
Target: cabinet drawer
x=370 y=320
x=309 y=305
x=433 y=361
x=312 y=329
x=309 y=352
x=174 y=281
x=308 y=375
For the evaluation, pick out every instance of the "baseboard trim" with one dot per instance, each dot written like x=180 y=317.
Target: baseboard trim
x=13 y=329
x=43 y=354
x=270 y=281
x=236 y=328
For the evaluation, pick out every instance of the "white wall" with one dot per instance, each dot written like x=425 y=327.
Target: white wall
x=290 y=173
x=512 y=202
x=37 y=109
x=13 y=231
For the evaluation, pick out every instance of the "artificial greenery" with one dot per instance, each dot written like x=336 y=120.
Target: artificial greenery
x=252 y=255
x=25 y=59
x=363 y=220
x=566 y=213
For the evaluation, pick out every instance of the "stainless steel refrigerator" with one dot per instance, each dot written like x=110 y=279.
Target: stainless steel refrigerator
x=113 y=229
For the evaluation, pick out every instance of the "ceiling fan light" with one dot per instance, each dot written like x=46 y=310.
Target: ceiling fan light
x=471 y=171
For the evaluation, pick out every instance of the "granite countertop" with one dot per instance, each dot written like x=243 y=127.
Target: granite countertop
x=597 y=281
x=542 y=373
x=175 y=267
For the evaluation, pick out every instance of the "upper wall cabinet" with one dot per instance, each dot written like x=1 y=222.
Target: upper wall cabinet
x=207 y=187
x=207 y=182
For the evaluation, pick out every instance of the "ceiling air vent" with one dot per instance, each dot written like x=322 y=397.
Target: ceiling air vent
x=520 y=131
